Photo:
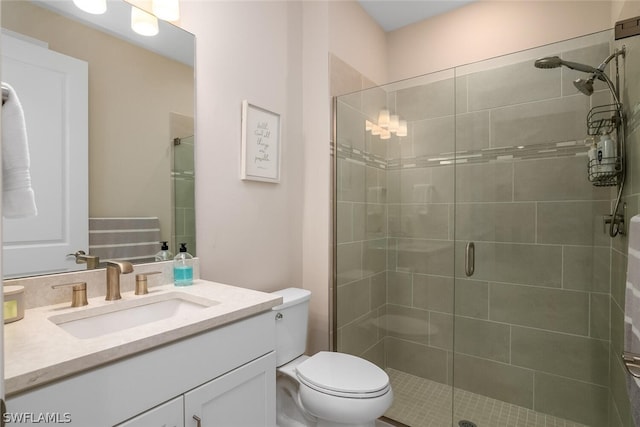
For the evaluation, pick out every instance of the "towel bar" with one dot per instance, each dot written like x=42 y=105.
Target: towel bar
x=632 y=363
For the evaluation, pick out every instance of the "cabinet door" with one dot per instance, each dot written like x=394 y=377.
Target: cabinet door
x=168 y=414
x=244 y=397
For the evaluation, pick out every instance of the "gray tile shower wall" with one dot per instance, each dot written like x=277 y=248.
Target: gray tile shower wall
x=540 y=323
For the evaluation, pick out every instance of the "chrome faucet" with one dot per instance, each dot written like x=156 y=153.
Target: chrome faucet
x=114 y=269
x=92 y=261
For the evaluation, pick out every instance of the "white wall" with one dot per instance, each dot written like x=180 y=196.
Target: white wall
x=248 y=233
x=621 y=10
x=355 y=35
x=489 y=28
x=316 y=175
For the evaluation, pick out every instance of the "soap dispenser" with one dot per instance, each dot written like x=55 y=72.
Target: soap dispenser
x=183 y=267
x=164 y=254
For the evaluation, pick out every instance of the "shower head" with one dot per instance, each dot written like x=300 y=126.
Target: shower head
x=548 y=62
x=555 y=62
x=585 y=86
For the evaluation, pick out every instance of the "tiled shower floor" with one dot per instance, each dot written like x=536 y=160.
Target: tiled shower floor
x=419 y=402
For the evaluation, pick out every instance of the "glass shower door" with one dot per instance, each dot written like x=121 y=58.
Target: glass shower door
x=531 y=339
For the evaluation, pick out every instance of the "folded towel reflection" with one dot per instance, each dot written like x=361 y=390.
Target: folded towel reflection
x=632 y=313
x=18 y=199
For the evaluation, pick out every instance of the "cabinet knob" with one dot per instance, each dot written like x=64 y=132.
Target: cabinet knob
x=198 y=421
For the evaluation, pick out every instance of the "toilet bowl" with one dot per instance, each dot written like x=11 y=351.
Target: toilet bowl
x=328 y=388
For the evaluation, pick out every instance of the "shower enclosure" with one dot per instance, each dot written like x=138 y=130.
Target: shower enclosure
x=471 y=261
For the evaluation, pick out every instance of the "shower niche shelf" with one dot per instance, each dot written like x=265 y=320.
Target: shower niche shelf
x=601 y=120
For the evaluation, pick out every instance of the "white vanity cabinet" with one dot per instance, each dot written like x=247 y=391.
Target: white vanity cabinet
x=243 y=397
x=227 y=373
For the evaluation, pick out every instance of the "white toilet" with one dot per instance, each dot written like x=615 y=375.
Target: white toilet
x=326 y=389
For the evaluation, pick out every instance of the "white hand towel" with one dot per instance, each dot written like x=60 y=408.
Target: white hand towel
x=632 y=312
x=18 y=199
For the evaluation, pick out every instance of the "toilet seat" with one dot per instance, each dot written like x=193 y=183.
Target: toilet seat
x=343 y=375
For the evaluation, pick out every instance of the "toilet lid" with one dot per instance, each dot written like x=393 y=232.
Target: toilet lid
x=343 y=374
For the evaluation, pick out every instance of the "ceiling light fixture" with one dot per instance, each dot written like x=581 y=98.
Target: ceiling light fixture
x=383 y=118
x=95 y=7
x=143 y=22
x=169 y=10
x=387 y=124
x=402 y=128
x=394 y=123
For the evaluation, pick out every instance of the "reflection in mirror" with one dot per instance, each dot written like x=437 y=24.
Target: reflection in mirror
x=109 y=120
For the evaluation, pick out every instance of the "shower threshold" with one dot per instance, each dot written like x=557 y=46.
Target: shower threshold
x=419 y=402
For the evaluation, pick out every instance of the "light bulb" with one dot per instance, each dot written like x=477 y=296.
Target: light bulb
x=394 y=123
x=169 y=10
x=143 y=22
x=368 y=125
x=383 y=118
x=402 y=128
x=95 y=7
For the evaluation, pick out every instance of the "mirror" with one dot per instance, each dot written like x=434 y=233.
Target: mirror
x=138 y=128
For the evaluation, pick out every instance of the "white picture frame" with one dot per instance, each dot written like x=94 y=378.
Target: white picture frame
x=260 y=157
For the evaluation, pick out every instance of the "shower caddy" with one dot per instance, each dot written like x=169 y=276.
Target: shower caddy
x=605 y=171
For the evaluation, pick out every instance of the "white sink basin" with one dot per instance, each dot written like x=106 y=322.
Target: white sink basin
x=126 y=314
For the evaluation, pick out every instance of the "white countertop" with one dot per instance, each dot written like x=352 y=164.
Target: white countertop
x=37 y=351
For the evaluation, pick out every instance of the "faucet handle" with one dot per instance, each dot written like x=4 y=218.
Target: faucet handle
x=77 y=254
x=81 y=257
x=79 y=295
x=123 y=267
x=141 y=282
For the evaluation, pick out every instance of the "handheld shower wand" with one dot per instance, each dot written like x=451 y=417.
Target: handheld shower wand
x=555 y=62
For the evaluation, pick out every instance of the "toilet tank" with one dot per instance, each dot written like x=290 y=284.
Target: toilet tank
x=292 y=317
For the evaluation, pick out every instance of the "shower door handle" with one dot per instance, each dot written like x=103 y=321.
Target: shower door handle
x=470 y=259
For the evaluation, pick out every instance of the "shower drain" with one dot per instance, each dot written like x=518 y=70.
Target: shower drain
x=465 y=423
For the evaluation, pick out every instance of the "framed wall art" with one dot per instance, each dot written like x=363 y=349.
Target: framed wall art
x=260 y=144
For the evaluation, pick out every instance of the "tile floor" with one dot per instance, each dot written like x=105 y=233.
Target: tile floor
x=411 y=393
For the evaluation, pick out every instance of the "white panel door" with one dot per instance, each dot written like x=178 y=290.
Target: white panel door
x=53 y=90
x=245 y=397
